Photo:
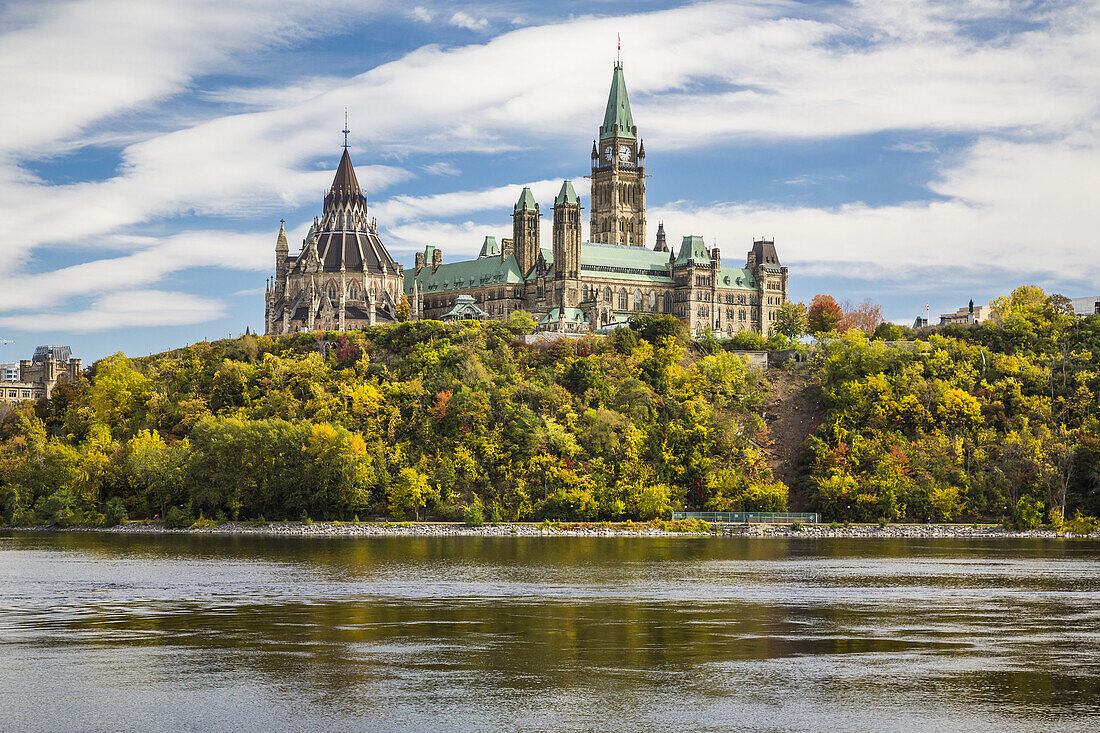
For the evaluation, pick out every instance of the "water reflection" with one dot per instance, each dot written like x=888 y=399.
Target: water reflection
x=533 y=633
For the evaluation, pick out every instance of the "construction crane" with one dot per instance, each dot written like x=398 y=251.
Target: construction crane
x=6 y=341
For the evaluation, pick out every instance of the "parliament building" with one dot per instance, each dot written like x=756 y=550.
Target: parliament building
x=344 y=278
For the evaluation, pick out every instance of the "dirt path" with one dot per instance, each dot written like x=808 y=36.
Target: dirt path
x=793 y=412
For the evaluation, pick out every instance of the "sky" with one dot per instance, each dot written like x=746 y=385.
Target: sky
x=909 y=151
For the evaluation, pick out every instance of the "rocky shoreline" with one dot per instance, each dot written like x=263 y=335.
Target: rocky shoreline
x=530 y=529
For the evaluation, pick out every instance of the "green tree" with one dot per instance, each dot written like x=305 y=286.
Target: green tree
x=410 y=492
x=790 y=320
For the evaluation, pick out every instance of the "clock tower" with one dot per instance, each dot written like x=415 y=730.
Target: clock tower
x=618 y=173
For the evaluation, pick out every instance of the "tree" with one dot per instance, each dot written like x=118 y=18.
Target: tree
x=653 y=328
x=866 y=316
x=823 y=315
x=157 y=468
x=890 y=332
x=521 y=323
x=403 y=309
x=408 y=493
x=790 y=320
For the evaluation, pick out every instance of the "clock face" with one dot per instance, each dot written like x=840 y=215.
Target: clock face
x=624 y=153
x=607 y=153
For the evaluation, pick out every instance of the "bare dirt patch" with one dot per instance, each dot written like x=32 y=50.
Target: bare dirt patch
x=794 y=411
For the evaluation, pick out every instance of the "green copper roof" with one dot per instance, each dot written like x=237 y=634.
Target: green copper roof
x=489 y=248
x=526 y=201
x=617 y=120
x=566 y=195
x=693 y=248
x=449 y=276
x=736 y=278
x=615 y=262
x=572 y=315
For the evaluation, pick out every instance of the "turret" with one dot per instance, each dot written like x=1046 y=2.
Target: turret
x=525 y=231
x=282 y=252
x=662 y=243
x=567 y=241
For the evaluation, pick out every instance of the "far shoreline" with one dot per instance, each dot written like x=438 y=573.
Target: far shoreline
x=571 y=529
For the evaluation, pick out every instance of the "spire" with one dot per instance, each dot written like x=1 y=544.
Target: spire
x=566 y=195
x=345 y=187
x=345 y=183
x=345 y=130
x=526 y=201
x=617 y=120
x=280 y=243
x=662 y=244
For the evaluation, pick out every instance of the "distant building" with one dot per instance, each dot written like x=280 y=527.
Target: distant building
x=1086 y=306
x=38 y=375
x=967 y=314
x=9 y=372
x=465 y=310
x=343 y=278
x=577 y=286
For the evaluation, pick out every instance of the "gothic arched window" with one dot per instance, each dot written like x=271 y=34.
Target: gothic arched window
x=622 y=299
x=652 y=300
x=637 y=300
x=607 y=294
x=332 y=292
x=668 y=302
x=353 y=291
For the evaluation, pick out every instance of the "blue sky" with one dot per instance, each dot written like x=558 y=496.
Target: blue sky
x=907 y=151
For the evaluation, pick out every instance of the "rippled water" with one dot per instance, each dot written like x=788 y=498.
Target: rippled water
x=113 y=632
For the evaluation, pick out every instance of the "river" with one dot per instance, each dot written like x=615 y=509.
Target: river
x=107 y=632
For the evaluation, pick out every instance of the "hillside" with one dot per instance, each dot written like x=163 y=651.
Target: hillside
x=409 y=420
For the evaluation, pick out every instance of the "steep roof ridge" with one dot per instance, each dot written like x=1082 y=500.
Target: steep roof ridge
x=566 y=194
x=617 y=119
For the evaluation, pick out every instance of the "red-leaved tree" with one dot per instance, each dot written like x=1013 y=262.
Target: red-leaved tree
x=824 y=314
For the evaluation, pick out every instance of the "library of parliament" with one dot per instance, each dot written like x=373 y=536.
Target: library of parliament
x=344 y=278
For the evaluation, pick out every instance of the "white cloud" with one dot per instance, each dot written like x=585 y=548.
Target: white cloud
x=126 y=309
x=441 y=168
x=154 y=261
x=457 y=203
x=74 y=63
x=710 y=73
x=462 y=20
x=422 y=14
x=1027 y=208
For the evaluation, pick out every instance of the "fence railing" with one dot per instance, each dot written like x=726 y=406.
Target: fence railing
x=749 y=517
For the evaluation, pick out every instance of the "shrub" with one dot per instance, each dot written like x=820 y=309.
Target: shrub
x=58 y=509
x=796 y=526
x=494 y=515
x=473 y=515
x=203 y=523
x=304 y=519
x=114 y=512
x=1083 y=525
x=178 y=517
x=883 y=521
x=1028 y=515
x=13 y=499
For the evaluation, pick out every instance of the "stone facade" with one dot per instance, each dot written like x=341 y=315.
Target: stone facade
x=578 y=286
x=38 y=376
x=343 y=278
